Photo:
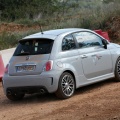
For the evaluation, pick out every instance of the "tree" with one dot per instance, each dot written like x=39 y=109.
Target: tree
x=108 y=1
x=15 y=9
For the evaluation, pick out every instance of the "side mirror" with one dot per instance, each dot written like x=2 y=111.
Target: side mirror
x=104 y=41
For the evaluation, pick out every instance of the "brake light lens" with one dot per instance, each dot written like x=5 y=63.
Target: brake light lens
x=6 y=69
x=48 y=66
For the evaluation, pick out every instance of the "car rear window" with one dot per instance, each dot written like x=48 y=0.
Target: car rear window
x=34 y=47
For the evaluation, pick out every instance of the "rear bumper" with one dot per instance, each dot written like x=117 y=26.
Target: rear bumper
x=47 y=80
x=27 y=90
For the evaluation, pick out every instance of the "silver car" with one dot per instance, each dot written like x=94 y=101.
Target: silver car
x=60 y=61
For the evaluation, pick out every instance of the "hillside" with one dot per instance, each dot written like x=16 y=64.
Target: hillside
x=24 y=20
x=113 y=28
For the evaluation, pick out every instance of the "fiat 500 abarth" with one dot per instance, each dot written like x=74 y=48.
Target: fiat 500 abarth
x=60 y=61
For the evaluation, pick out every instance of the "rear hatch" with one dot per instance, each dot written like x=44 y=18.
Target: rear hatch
x=30 y=57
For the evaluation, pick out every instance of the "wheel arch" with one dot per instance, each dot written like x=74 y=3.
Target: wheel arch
x=69 y=71
x=115 y=63
x=117 y=76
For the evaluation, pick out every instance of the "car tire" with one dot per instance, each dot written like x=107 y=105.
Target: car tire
x=117 y=70
x=15 y=96
x=66 y=86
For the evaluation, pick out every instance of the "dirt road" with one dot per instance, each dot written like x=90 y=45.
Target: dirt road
x=100 y=101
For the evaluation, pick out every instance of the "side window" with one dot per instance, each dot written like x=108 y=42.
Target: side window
x=87 y=39
x=68 y=43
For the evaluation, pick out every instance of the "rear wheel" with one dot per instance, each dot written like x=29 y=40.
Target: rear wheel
x=117 y=70
x=66 y=86
x=15 y=96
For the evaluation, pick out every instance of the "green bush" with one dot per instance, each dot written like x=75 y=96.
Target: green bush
x=9 y=40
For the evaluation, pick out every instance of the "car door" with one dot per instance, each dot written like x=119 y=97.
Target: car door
x=96 y=60
x=70 y=55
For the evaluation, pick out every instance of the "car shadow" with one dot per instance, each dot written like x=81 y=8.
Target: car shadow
x=88 y=88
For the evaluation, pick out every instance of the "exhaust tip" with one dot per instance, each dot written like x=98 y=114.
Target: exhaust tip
x=9 y=92
x=42 y=91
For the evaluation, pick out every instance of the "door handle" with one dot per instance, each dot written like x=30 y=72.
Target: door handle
x=84 y=56
x=98 y=56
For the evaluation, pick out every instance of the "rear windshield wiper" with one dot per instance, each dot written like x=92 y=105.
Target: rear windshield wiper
x=24 y=53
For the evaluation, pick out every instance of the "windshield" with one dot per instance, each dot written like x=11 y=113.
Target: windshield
x=34 y=47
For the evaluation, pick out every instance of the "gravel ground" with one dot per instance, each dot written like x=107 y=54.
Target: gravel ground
x=100 y=101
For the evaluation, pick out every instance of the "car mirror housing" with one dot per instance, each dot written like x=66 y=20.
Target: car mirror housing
x=104 y=41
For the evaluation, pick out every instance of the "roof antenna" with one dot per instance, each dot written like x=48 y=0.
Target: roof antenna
x=41 y=29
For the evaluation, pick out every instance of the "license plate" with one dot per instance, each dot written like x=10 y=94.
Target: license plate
x=25 y=68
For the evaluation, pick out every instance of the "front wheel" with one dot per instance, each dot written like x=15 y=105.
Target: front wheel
x=117 y=70
x=66 y=86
